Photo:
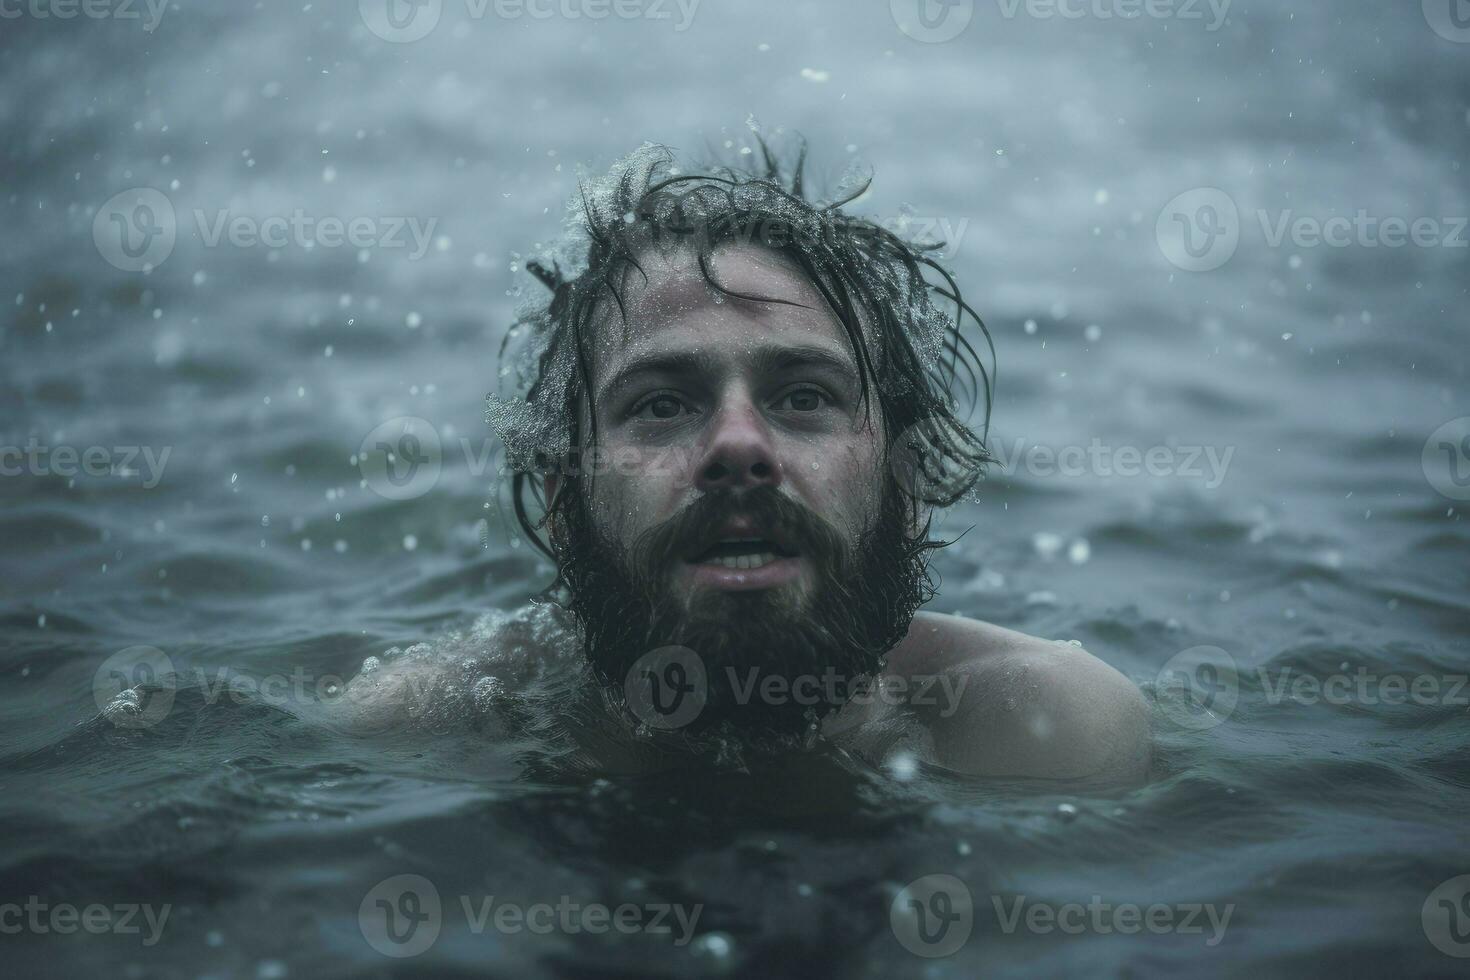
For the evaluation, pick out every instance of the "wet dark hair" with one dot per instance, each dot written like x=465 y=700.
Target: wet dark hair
x=901 y=311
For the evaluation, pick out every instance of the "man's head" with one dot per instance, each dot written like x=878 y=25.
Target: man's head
x=739 y=419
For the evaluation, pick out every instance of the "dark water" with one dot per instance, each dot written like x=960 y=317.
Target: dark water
x=1329 y=545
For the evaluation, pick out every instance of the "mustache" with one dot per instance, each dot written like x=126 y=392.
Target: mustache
x=767 y=508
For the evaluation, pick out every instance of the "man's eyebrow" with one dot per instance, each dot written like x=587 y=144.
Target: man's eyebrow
x=774 y=360
x=676 y=363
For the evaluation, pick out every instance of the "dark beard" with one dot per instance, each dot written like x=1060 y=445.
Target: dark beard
x=833 y=639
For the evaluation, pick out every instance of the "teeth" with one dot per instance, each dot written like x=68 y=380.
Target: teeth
x=744 y=561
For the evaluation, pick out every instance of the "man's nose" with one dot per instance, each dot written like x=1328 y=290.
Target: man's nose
x=740 y=452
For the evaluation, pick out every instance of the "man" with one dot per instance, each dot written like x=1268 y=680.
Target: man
x=739 y=414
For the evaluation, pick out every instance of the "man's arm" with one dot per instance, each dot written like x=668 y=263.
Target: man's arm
x=1005 y=704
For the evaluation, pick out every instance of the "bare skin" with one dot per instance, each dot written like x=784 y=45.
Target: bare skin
x=700 y=392
x=1028 y=708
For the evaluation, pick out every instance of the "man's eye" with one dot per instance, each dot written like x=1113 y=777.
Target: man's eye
x=661 y=407
x=802 y=400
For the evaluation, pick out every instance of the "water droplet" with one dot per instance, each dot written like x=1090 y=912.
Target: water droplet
x=715 y=945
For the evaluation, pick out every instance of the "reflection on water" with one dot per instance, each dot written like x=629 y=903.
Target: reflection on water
x=1230 y=421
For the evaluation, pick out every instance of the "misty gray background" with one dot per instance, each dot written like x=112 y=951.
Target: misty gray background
x=1051 y=145
x=1054 y=146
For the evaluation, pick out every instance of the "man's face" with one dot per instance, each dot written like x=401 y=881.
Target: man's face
x=700 y=393
x=741 y=509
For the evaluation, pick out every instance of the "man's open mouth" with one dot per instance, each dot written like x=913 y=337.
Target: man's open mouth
x=743 y=553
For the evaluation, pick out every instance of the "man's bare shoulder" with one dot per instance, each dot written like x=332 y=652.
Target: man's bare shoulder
x=1008 y=704
x=457 y=680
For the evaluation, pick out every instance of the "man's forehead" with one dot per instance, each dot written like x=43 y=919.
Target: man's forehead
x=677 y=305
